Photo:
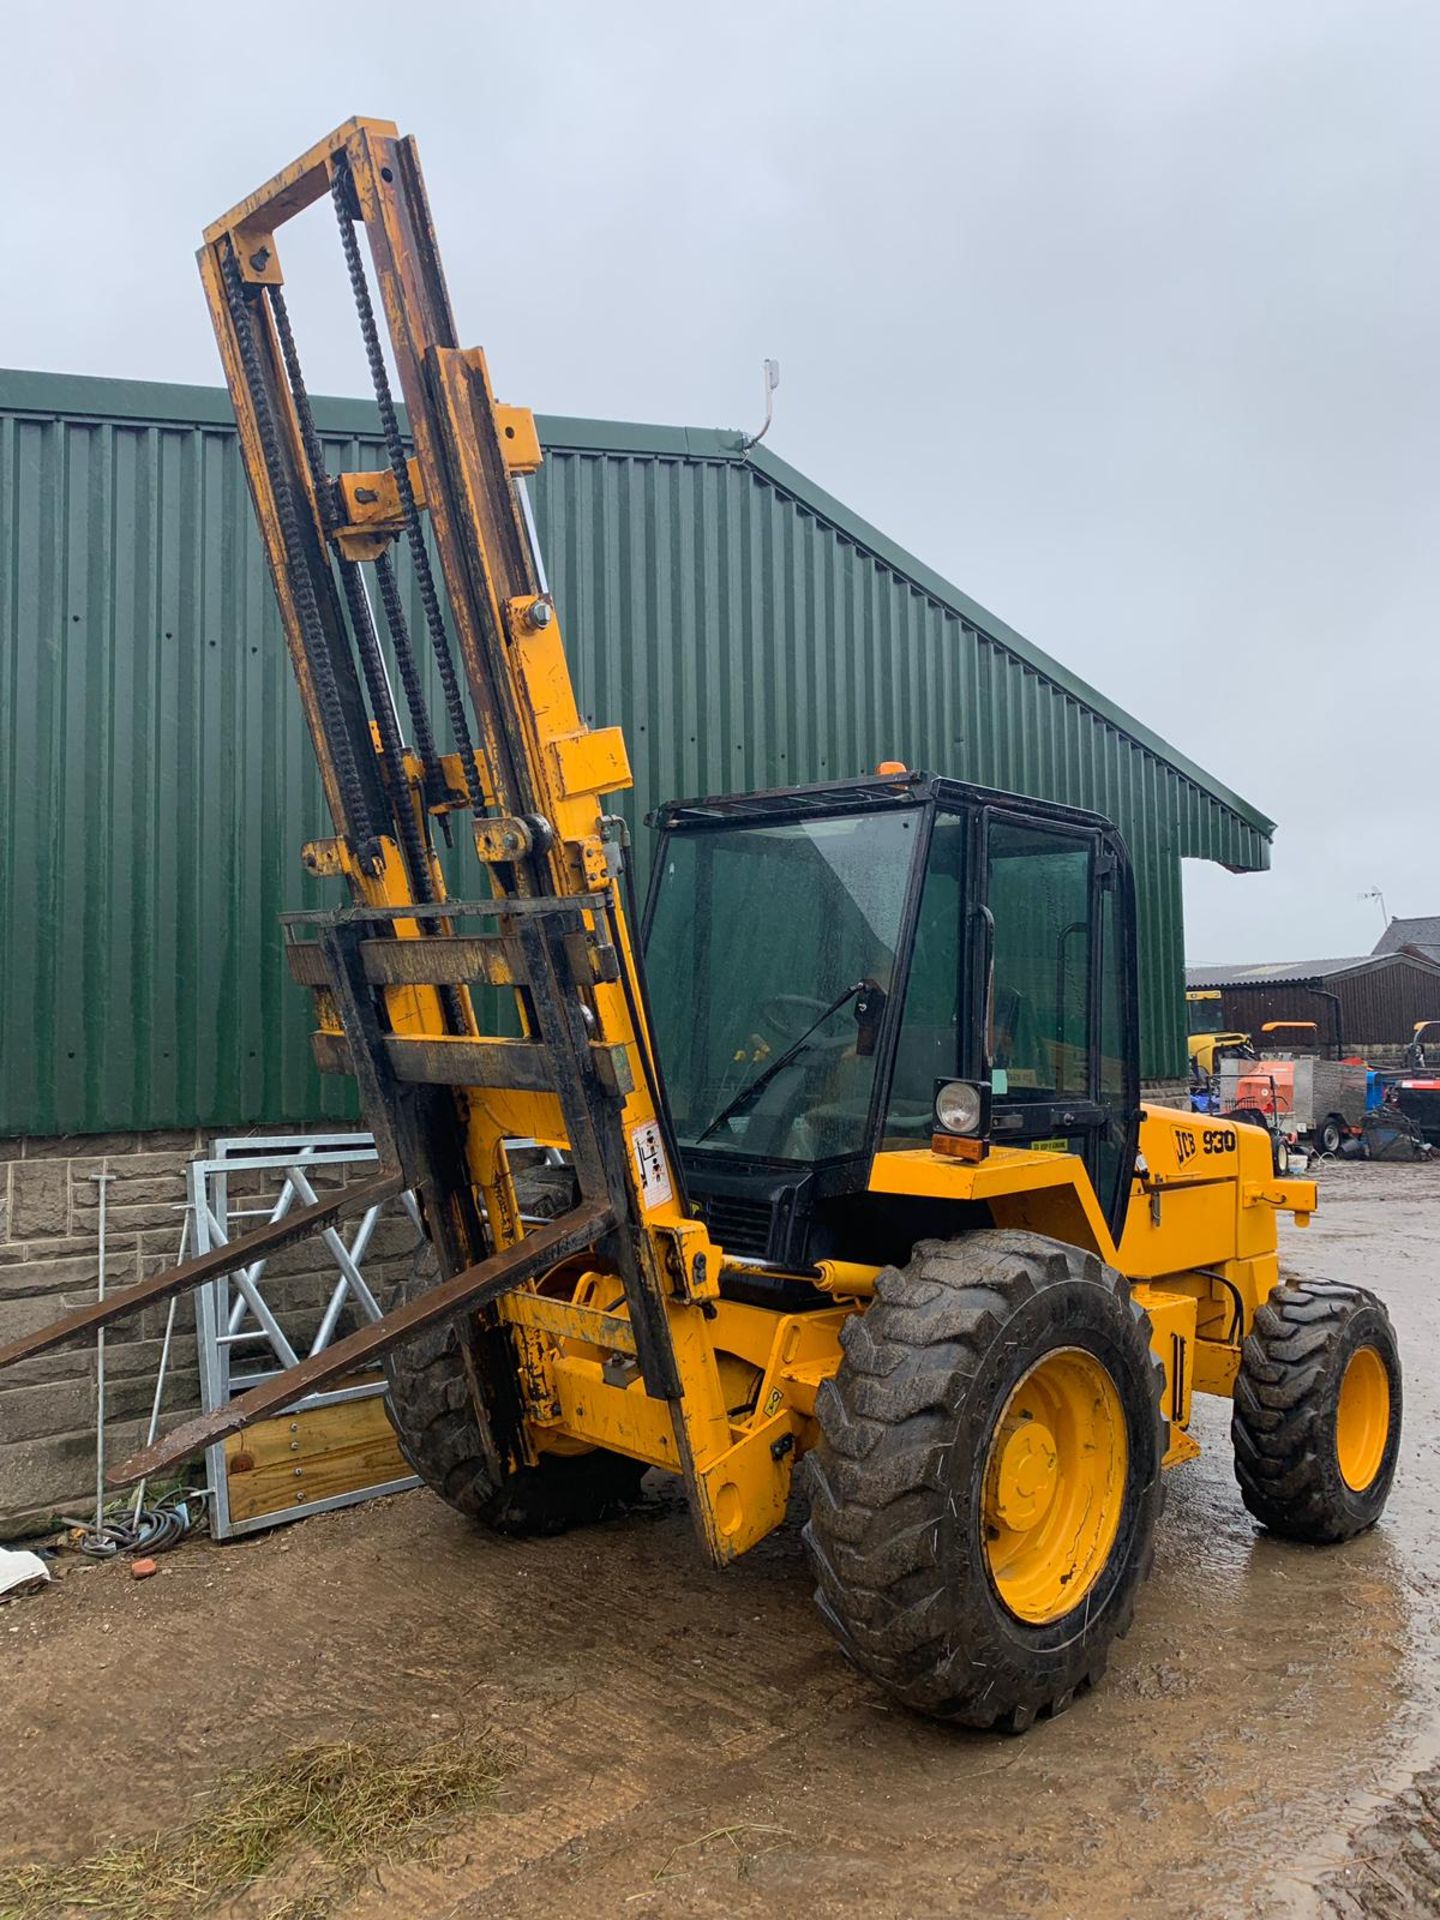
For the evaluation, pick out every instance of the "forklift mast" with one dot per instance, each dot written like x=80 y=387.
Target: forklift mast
x=441 y=1093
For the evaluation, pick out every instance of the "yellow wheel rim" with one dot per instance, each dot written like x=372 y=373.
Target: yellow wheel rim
x=1362 y=1420
x=1054 y=1485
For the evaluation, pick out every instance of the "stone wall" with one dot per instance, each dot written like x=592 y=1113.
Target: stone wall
x=1390 y=1059
x=1167 y=1093
x=49 y=1248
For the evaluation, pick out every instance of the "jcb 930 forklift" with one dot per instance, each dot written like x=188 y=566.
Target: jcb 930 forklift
x=857 y=1201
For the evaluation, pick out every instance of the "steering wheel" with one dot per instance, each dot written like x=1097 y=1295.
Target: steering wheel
x=784 y=1017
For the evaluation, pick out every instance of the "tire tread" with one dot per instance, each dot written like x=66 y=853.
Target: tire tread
x=877 y=1479
x=1282 y=1414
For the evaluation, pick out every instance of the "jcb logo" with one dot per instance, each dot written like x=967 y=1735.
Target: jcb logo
x=1184 y=1146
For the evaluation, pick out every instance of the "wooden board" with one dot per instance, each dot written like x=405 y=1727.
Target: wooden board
x=297 y=1459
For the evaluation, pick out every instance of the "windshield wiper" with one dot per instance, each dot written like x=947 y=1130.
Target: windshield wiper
x=757 y=1086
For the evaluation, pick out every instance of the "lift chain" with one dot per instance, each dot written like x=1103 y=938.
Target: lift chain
x=299 y=393
x=392 y=746
x=394 y=612
x=382 y=706
x=317 y=648
x=340 y=188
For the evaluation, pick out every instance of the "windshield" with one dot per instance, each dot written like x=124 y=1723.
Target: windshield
x=1206 y=1012
x=766 y=948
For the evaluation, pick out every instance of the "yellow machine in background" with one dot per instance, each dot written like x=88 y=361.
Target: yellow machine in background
x=1209 y=1041
x=854 y=1174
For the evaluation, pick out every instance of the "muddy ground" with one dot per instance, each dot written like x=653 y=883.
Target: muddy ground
x=690 y=1743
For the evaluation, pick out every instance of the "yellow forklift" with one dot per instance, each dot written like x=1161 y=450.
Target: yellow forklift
x=853 y=1196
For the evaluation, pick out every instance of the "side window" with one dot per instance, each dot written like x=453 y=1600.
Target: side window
x=1114 y=1044
x=929 y=1046
x=1115 y=1072
x=1038 y=890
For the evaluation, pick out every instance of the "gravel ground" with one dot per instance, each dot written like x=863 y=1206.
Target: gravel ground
x=690 y=1743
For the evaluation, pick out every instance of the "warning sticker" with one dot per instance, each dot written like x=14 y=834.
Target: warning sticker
x=650 y=1163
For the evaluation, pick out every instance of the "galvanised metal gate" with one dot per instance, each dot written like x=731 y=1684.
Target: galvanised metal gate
x=309 y=1458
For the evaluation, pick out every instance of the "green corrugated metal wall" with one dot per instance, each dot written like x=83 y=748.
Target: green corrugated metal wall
x=743 y=628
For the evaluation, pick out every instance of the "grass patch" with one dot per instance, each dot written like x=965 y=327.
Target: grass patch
x=329 y=1811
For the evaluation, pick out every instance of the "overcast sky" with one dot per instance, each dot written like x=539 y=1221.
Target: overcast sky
x=1124 y=317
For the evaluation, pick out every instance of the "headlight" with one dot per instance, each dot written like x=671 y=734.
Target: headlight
x=959 y=1107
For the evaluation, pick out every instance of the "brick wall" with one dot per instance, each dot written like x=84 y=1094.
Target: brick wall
x=49 y=1247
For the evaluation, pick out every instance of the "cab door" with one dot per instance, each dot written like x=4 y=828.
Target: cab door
x=1058 y=967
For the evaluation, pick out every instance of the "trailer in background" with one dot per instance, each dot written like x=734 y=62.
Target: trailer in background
x=1323 y=1100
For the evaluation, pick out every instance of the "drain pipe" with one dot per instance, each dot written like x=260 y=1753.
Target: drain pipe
x=1324 y=993
x=102 y=1181
x=154 y=1426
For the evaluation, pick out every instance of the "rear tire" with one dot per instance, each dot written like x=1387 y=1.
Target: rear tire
x=430 y=1409
x=910 y=1535
x=1317 y=1412
x=1329 y=1134
x=434 y=1419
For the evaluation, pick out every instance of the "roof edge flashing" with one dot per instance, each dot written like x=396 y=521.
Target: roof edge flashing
x=159 y=402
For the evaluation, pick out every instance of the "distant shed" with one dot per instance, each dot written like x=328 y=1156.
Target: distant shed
x=1377 y=997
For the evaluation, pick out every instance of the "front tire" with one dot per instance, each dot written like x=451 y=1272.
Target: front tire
x=988 y=1481
x=1317 y=1411
x=1329 y=1134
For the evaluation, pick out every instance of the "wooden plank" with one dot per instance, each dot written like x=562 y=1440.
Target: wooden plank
x=295 y=1435
x=315 y=1454
x=331 y=1051
x=438 y=960
x=306 y=961
x=517 y=1066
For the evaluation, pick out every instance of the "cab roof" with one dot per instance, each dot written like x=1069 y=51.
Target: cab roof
x=871 y=793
